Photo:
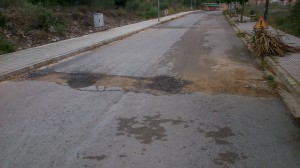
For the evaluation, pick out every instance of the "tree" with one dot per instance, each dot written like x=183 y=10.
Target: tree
x=120 y=3
x=266 y=10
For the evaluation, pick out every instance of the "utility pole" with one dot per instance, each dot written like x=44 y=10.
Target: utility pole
x=158 y=10
x=266 y=10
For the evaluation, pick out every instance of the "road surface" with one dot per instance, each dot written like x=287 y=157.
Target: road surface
x=186 y=93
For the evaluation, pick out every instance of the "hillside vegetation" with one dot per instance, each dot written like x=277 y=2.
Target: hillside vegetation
x=30 y=23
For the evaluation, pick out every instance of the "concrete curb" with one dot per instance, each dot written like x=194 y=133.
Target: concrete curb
x=290 y=102
x=81 y=50
x=292 y=85
x=291 y=97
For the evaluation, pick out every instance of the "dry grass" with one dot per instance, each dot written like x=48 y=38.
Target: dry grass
x=266 y=43
x=241 y=34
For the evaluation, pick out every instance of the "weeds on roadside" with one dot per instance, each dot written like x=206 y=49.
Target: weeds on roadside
x=151 y=13
x=47 y=18
x=9 y=3
x=230 y=13
x=2 y=21
x=241 y=34
x=263 y=65
x=60 y=28
x=6 y=47
x=271 y=80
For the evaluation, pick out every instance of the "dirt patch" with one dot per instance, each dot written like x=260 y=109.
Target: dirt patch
x=216 y=69
x=236 y=81
x=147 y=130
x=229 y=83
x=156 y=85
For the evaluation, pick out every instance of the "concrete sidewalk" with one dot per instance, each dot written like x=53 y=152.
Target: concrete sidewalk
x=287 y=68
x=21 y=61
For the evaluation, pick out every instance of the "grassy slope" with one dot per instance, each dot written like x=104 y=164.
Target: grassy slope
x=25 y=25
x=280 y=17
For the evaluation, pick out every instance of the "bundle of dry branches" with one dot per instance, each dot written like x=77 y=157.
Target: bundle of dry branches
x=266 y=43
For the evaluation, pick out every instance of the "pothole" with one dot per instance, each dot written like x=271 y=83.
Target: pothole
x=167 y=84
x=158 y=85
x=155 y=85
x=82 y=80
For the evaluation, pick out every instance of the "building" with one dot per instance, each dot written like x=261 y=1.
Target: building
x=258 y=2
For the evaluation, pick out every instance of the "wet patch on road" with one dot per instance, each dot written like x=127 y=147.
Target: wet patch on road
x=228 y=158
x=98 y=158
x=219 y=135
x=222 y=142
x=147 y=130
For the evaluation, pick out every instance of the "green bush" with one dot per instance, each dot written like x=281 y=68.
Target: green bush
x=144 y=6
x=103 y=4
x=60 y=28
x=151 y=13
x=296 y=8
x=9 y=3
x=288 y=21
x=77 y=16
x=6 y=47
x=2 y=21
x=47 y=18
x=278 y=18
x=132 y=5
x=281 y=17
x=59 y=2
x=164 y=5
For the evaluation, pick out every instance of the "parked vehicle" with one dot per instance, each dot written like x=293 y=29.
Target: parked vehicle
x=211 y=6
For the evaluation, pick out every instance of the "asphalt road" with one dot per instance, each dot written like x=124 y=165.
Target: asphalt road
x=183 y=94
